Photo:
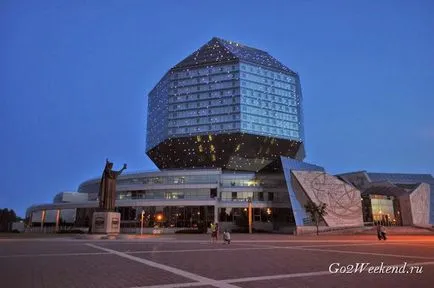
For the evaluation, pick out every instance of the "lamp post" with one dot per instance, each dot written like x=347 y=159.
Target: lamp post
x=141 y=222
x=250 y=214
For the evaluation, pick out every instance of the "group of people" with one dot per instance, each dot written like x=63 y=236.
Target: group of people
x=215 y=231
x=381 y=233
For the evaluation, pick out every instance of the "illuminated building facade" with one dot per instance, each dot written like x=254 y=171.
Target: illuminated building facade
x=225 y=127
x=387 y=197
x=228 y=106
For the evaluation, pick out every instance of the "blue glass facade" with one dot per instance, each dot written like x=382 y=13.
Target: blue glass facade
x=157 y=122
x=226 y=105
x=270 y=102
x=209 y=100
x=204 y=101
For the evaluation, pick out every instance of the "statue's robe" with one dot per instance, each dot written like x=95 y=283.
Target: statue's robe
x=108 y=189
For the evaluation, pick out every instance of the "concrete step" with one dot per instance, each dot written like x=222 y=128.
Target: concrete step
x=401 y=230
x=373 y=230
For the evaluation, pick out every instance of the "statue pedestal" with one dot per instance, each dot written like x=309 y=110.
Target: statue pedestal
x=106 y=222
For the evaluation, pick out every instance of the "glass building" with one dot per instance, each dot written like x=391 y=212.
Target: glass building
x=226 y=105
x=225 y=127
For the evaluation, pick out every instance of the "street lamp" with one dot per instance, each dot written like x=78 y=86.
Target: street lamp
x=141 y=222
x=159 y=217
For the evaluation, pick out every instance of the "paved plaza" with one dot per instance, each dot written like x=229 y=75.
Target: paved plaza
x=171 y=261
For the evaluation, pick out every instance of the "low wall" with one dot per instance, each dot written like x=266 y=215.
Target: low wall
x=308 y=230
x=263 y=226
x=402 y=230
x=52 y=229
x=148 y=230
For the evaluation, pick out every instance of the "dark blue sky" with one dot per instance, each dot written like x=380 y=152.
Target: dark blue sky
x=74 y=78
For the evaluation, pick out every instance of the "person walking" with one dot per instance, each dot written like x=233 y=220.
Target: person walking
x=213 y=232
x=379 y=231
x=216 y=231
x=226 y=237
x=383 y=232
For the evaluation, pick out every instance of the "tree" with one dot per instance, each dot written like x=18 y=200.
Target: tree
x=7 y=217
x=316 y=212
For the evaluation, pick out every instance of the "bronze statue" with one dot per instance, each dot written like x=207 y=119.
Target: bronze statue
x=107 y=187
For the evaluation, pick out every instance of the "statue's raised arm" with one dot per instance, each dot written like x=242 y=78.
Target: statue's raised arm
x=120 y=171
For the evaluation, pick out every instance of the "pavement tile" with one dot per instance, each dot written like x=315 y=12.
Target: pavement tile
x=388 y=248
x=349 y=280
x=34 y=248
x=239 y=264
x=116 y=272
x=131 y=247
x=107 y=271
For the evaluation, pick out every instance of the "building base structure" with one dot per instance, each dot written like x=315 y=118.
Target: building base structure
x=192 y=199
x=106 y=223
